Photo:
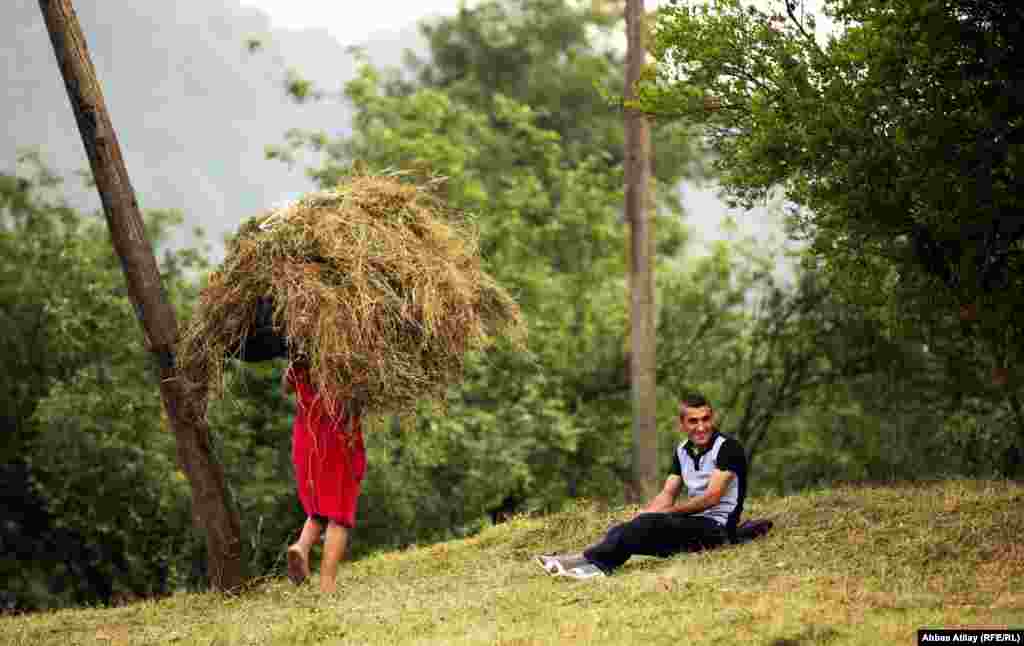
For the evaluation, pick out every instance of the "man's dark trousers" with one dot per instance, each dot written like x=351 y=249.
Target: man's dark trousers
x=655 y=535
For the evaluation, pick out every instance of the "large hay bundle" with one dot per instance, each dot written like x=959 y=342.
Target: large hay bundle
x=375 y=283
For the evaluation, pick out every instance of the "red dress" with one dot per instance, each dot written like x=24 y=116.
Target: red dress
x=327 y=453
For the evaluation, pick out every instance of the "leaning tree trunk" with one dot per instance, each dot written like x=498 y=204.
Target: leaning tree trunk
x=211 y=502
x=642 y=333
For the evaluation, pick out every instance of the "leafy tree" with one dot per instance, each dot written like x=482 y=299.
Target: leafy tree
x=547 y=207
x=533 y=150
x=251 y=427
x=896 y=140
x=556 y=57
x=925 y=90
x=91 y=512
x=547 y=230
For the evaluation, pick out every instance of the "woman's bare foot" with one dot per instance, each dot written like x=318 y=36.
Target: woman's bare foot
x=334 y=550
x=327 y=585
x=298 y=565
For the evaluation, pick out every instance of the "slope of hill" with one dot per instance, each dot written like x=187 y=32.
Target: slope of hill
x=857 y=565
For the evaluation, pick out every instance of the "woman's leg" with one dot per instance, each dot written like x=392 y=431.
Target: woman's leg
x=334 y=550
x=298 y=553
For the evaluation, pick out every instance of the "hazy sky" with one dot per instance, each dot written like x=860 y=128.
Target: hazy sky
x=194 y=109
x=350 y=22
x=354 y=22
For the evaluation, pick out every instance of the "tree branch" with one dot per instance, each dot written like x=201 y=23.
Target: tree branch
x=790 y=9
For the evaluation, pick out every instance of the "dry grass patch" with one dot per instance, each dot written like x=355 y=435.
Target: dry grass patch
x=805 y=583
x=377 y=283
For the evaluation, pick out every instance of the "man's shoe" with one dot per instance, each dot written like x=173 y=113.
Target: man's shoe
x=586 y=571
x=551 y=564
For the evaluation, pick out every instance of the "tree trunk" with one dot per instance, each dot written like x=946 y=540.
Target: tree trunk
x=642 y=332
x=1018 y=414
x=211 y=502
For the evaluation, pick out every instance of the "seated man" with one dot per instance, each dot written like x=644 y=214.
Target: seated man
x=714 y=469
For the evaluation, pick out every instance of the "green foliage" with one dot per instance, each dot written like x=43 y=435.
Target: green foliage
x=251 y=426
x=504 y=433
x=547 y=201
x=890 y=137
x=556 y=57
x=895 y=143
x=533 y=153
x=95 y=503
x=300 y=89
x=107 y=470
x=822 y=381
x=515 y=436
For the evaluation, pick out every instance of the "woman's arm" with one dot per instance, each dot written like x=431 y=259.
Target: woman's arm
x=287 y=385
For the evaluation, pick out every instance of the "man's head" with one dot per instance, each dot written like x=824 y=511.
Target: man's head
x=696 y=419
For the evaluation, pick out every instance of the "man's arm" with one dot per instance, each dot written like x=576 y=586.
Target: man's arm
x=665 y=498
x=716 y=488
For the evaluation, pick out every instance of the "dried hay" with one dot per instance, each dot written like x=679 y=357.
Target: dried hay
x=375 y=283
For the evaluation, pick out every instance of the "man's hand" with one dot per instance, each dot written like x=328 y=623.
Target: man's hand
x=663 y=501
x=716 y=488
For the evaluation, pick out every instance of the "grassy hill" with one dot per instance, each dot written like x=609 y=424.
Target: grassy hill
x=860 y=564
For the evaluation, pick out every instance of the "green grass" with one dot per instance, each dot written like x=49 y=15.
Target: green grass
x=851 y=565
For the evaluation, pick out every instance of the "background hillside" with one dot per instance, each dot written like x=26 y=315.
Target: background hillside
x=862 y=565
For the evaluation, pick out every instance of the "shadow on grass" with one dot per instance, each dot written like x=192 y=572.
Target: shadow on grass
x=810 y=635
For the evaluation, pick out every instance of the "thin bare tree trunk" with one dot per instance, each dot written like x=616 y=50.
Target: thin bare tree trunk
x=211 y=502
x=642 y=333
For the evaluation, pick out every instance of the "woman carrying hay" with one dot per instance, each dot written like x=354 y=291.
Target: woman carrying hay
x=330 y=461
x=380 y=285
